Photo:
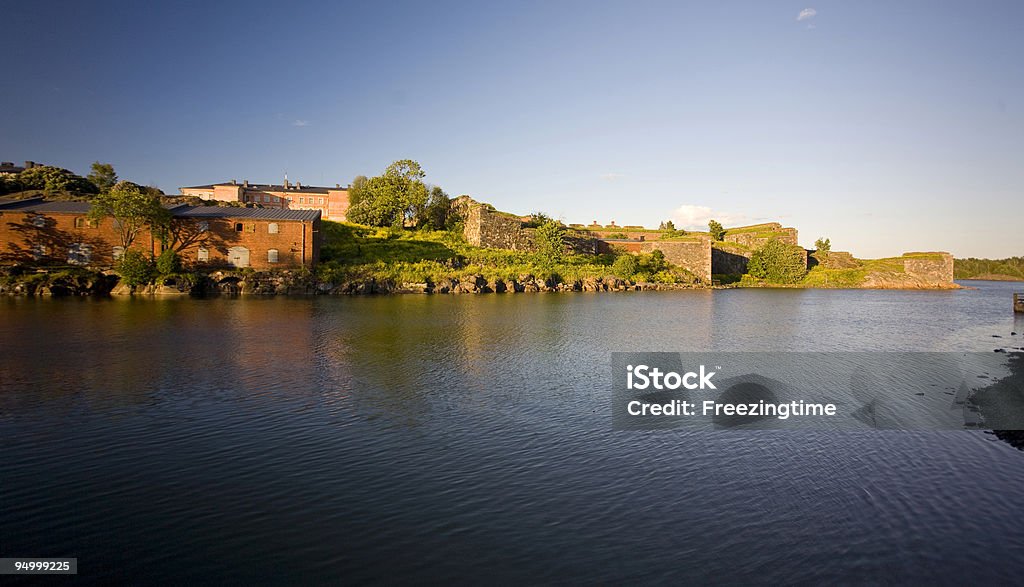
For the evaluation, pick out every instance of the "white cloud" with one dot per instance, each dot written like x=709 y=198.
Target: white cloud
x=806 y=14
x=612 y=176
x=301 y=123
x=692 y=217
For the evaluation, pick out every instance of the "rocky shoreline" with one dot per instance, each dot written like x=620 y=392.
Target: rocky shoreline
x=81 y=282
x=299 y=283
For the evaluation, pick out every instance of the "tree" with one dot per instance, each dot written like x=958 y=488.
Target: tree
x=103 y=176
x=823 y=246
x=438 y=208
x=716 y=230
x=357 y=191
x=54 y=180
x=392 y=199
x=669 y=226
x=777 y=262
x=550 y=240
x=131 y=209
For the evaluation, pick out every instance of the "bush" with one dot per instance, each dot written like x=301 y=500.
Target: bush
x=625 y=266
x=777 y=262
x=135 y=268
x=168 y=263
x=551 y=240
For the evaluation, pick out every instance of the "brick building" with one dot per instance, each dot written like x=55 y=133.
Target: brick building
x=331 y=202
x=60 y=233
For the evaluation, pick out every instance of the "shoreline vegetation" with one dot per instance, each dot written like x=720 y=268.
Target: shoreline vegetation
x=413 y=238
x=359 y=260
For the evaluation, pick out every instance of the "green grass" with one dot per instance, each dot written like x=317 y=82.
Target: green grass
x=354 y=252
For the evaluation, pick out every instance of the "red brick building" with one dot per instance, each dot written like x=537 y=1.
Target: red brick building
x=331 y=202
x=37 y=232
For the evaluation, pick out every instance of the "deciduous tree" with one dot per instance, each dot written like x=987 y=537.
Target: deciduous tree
x=131 y=210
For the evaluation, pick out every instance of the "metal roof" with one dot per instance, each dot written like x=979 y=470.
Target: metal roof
x=233 y=212
x=39 y=205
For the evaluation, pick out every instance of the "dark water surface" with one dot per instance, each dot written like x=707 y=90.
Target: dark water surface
x=469 y=438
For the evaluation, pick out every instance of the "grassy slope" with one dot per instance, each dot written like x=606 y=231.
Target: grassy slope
x=352 y=252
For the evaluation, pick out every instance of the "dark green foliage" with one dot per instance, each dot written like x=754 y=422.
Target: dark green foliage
x=777 y=262
x=54 y=180
x=716 y=230
x=436 y=215
x=626 y=266
x=537 y=219
x=392 y=199
x=974 y=268
x=550 y=240
x=102 y=176
x=168 y=263
x=620 y=235
x=135 y=268
x=131 y=209
x=668 y=225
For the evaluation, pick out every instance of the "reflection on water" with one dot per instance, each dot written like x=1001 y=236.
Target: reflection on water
x=412 y=437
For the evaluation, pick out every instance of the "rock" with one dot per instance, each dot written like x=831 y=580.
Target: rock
x=498 y=286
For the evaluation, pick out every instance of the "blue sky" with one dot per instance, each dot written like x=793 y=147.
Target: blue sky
x=886 y=126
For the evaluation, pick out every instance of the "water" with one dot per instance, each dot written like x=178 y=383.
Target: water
x=468 y=438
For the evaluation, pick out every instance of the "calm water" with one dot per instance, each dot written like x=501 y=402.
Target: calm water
x=469 y=438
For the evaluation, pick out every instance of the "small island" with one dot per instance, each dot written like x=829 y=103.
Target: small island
x=61 y=233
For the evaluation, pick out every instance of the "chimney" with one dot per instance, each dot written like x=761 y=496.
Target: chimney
x=337 y=185
x=245 y=183
x=298 y=185
x=286 y=183
x=234 y=182
x=30 y=164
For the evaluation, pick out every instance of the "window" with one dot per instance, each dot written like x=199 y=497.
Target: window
x=204 y=225
x=266 y=199
x=39 y=221
x=272 y=228
x=238 y=227
x=79 y=254
x=320 y=201
x=275 y=199
x=302 y=200
x=80 y=222
x=203 y=255
x=117 y=252
x=39 y=252
x=83 y=222
x=272 y=256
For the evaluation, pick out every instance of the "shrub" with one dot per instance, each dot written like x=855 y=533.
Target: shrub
x=777 y=262
x=135 y=268
x=625 y=266
x=168 y=262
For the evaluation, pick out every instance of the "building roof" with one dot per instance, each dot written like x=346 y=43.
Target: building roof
x=233 y=212
x=267 y=187
x=40 y=205
x=178 y=210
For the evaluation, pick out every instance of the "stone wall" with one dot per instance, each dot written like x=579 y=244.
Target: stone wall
x=929 y=268
x=487 y=228
x=694 y=256
x=729 y=261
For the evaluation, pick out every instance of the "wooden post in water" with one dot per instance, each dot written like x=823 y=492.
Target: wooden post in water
x=1018 y=302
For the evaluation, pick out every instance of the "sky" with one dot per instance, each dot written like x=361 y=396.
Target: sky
x=884 y=126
